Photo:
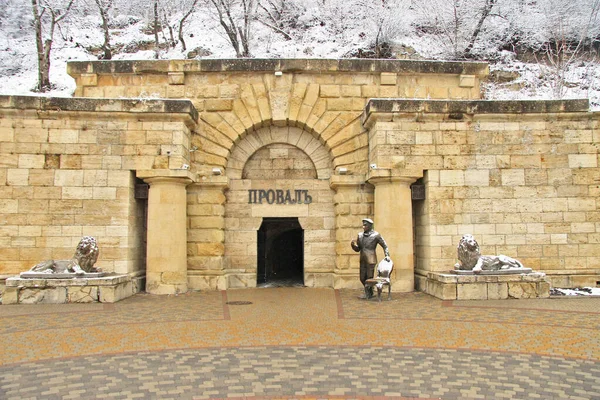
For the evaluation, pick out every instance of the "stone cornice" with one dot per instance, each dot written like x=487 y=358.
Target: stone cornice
x=471 y=107
x=384 y=109
x=76 y=68
x=80 y=104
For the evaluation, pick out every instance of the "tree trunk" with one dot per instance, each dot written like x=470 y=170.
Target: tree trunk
x=230 y=28
x=489 y=4
x=43 y=65
x=182 y=22
x=173 y=42
x=244 y=40
x=106 y=45
x=156 y=23
x=245 y=32
x=377 y=46
x=45 y=83
x=180 y=35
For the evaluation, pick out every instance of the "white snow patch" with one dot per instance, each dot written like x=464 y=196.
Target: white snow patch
x=586 y=291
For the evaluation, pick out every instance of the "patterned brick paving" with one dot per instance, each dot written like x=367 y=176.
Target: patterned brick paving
x=303 y=344
x=135 y=310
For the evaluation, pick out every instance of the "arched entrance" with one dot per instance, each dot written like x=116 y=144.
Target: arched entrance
x=280 y=253
x=279 y=211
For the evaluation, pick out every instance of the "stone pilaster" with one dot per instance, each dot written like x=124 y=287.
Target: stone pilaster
x=206 y=240
x=166 y=261
x=393 y=220
x=353 y=200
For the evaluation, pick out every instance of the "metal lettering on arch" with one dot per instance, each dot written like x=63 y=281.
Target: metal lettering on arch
x=278 y=196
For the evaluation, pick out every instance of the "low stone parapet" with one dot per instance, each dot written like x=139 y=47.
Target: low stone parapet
x=107 y=289
x=448 y=286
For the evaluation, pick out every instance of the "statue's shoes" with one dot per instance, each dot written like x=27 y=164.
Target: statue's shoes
x=365 y=297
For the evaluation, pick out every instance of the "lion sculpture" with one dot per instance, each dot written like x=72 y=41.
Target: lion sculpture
x=470 y=258
x=86 y=255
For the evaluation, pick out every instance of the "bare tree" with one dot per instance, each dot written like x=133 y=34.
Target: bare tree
x=279 y=15
x=236 y=28
x=46 y=17
x=104 y=7
x=175 y=15
x=156 y=27
x=484 y=14
x=457 y=23
x=166 y=18
x=182 y=21
x=235 y=17
x=338 y=16
x=386 y=20
x=569 y=26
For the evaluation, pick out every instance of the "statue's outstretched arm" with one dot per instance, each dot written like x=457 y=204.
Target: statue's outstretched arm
x=384 y=245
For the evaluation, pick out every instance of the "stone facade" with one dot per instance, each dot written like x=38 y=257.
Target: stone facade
x=521 y=176
x=68 y=169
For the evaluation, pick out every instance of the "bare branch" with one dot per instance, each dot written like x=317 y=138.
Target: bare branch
x=489 y=4
x=276 y=29
x=182 y=22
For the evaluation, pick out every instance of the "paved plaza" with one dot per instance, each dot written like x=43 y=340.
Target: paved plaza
x=301 y=343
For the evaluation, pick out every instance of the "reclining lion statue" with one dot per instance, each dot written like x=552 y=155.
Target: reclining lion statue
x=470 y=258
x=86 y=255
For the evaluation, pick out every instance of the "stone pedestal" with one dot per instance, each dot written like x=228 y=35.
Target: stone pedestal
x=166 y=261
x=449 y=286
x=107 y=289
x=393 y=220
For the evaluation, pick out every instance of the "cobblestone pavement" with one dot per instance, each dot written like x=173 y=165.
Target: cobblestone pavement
x=300 y=343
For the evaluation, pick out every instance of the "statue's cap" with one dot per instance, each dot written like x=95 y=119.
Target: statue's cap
x=368 y=220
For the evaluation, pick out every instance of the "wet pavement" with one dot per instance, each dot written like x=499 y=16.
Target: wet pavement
x=301 y=343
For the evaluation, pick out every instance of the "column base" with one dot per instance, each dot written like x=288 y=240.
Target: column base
x=163 y=289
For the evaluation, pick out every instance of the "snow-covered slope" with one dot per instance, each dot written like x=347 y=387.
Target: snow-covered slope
x=80 y=37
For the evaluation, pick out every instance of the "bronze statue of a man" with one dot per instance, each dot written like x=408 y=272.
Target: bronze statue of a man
x=366 y=244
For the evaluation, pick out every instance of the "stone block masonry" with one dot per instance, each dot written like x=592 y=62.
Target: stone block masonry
x=520 y=176
x=353 y=135
x=108 y=289
x=486 y=287
x=67 y=169
x=234 y=97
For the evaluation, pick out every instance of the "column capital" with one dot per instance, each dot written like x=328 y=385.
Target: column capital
x=402 y=176
x=166 y=175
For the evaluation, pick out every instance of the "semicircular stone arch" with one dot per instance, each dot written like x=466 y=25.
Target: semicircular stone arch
x=294 y=167
x=279 y=161
x=316 y=151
